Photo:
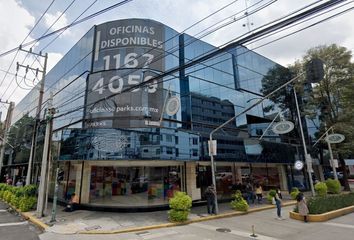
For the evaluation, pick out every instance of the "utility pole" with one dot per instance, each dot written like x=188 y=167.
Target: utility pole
x=7 y=125
x=38 y=111
x=45 y=159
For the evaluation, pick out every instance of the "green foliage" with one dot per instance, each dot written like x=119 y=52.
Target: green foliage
x=27 y=203
x=180 y=206
x=177 y=215
x=181 y=201
x=333 y=186
x=319 y=205
x=321 y=189
x=30 y=190
x=19 y=197
x=15 y=201
x=270 y=195
x=294 y=192
x=239 y=203
x=7 y=196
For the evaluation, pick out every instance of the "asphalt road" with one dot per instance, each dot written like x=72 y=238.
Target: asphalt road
x=13 y=227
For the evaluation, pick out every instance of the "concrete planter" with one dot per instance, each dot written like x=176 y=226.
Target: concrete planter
x=324 y=216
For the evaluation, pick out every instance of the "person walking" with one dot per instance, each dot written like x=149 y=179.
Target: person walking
x=302 y=206
x=277 y=199
x=259 y=193
x=210 y=194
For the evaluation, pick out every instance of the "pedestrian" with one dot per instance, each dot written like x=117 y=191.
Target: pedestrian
x=278 y=201
x=210 y=195
x=302 y=206
x=73 y=203
x=279 y=193
x=259 y=193
x=250 y=194
x=19 y=183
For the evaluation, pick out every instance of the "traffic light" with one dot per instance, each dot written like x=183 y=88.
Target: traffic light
x=60 y=176
x=314 y=70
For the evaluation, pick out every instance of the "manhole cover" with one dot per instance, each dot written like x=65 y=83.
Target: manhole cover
x=223 y=230
x=92 y=228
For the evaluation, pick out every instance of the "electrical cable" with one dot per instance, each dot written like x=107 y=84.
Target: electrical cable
x=337 y=14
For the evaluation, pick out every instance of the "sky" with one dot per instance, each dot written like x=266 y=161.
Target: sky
x=18 y=17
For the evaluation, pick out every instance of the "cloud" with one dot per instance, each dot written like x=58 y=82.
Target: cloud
x=53 y=58
x=15 y=22
x=49 y=19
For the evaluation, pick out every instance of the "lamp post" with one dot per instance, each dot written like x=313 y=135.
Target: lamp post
x=230 y=120
x=331 y=138
x=307 y=157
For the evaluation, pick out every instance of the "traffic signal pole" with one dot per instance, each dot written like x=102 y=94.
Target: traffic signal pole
x=55 y=197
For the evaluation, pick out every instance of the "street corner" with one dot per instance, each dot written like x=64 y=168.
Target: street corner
x=33 y=219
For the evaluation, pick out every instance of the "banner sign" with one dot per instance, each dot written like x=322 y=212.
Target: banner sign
x=127 y=53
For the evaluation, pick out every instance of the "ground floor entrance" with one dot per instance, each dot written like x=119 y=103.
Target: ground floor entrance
x=134 y=184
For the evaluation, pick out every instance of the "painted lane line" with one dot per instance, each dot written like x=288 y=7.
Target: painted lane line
x=234 y=232
x=13 y=224
x=339 y=225
x=3 y=210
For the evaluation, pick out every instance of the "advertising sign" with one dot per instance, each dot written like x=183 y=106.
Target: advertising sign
x=127 y=53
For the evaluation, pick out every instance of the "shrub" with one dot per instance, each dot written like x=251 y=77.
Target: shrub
x=27 y=203
x=15 y=201
x=239 y=203
x=180 y=206
x=319 y=205
x=270 y=195
x=177 y=215
x=7 y=196
x=30 y=190
x=321 y=189
x=333 y=186
x=294 y=192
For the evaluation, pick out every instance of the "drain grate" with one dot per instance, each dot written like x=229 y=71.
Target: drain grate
x=225 y=230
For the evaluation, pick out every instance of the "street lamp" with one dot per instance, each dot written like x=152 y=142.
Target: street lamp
x=212 y=143
x=314 y=74
x=331 y=138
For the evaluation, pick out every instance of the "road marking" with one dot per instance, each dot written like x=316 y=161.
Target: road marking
x=13 y=224
x=3 y=210
x=234 y=232
x=339 y=225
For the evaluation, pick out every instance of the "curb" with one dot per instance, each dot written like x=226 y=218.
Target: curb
x=203 y=219
x=34 y=220
x=29 y=217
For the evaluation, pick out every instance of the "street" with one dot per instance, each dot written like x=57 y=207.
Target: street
x=240 y=227
x=12 y=227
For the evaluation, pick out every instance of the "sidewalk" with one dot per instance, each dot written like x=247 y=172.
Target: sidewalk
x=96 y=222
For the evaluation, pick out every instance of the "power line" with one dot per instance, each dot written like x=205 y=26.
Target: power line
x=202 y=57
x=178 y=33
x=40 y=18
x=72 y=2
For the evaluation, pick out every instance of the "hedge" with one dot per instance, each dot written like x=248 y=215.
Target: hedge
x=319 y=205
x=23 y=198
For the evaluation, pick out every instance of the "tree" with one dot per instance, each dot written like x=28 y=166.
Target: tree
x=332 y=100
x=20 y=137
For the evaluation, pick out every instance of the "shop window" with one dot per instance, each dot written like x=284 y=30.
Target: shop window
x=133 y=186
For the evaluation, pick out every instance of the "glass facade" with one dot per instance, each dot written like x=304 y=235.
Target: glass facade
x=117 y=143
